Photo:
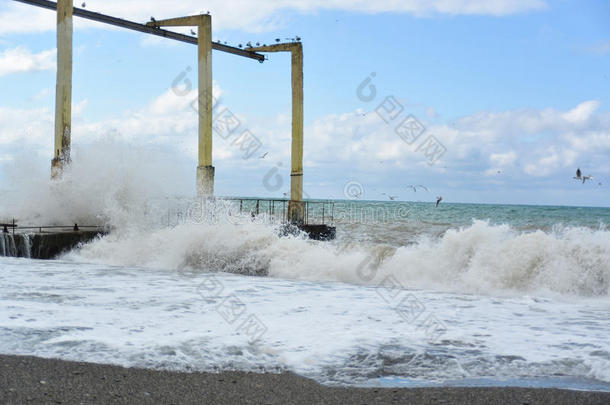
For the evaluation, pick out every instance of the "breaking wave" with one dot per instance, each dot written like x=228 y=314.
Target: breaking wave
x=480 y=258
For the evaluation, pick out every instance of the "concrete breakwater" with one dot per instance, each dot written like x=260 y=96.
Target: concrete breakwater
x=44 y=245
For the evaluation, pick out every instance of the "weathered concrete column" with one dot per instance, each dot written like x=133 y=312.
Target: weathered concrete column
x=63 y=89
x=296 y=206
x=205 y=170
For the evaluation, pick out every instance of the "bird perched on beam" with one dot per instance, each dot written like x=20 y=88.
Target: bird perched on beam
x=193 y=32
x=83 y=5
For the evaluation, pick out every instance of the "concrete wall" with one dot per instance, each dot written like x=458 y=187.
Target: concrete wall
x=43 y=245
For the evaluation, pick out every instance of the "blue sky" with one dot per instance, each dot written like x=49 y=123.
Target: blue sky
x=516 y=91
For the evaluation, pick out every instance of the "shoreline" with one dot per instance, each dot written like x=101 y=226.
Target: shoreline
x=26 y=379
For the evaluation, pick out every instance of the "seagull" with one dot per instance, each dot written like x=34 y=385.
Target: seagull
x=263 y=155
x=193 y=32
x=277 y=40
x=285 y=194
x=392 y=197
x=249 y=44
x=415 y=187
x=239 y=45
x=153 y=19
x=258 y=44
x=83 y=5
x=438 y=200
x=579 y=176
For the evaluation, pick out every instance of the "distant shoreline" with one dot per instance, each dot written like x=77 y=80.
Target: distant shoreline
x=25 y=379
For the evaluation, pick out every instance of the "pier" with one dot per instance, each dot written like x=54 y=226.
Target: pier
x=203 y=39
x=47 y=242
x=296 y=213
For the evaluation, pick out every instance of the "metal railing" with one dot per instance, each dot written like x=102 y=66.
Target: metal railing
x=172 y=211
x=316 y=212
x=5 y=227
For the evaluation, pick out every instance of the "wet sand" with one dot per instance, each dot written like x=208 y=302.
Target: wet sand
x=34 y=380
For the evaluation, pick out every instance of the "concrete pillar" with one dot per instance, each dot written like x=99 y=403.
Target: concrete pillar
x=296 y=207
x=205 y=170
x=63 y=89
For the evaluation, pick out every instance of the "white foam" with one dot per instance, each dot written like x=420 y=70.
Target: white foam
x=478 y=259
x=333 y=332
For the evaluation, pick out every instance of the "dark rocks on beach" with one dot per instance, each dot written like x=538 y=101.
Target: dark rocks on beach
x=73 y=382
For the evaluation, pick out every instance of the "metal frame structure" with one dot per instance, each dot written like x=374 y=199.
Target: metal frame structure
x=205 y=169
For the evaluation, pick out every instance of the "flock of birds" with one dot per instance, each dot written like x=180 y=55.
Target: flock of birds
x=414 y=187
x=249 y=44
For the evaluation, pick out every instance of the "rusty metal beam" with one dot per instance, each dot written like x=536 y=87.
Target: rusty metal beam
x=90 y=15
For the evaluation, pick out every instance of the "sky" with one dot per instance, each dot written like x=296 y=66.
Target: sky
x=480 y=101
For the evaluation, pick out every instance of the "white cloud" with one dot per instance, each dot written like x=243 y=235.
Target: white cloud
x=521 y=144
x=601 y=48
x=20 y=60
x=25 y=129
x=258 y=16
x=582 y=112
x=503 y=159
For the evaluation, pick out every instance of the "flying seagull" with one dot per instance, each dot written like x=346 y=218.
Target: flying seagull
x=392 y=197
x=438 y=200
x=579 y=176
x=414 y=187
x=263 y=155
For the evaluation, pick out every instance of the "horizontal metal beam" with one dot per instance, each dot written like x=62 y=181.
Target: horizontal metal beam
x=283 y=47
x=119 y=22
